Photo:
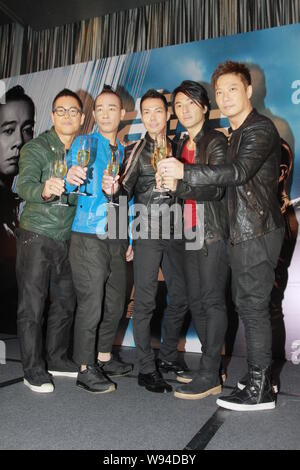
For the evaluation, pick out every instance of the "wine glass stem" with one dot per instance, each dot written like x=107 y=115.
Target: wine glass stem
x=60 y=201
x=85 y=184
x=112 y=193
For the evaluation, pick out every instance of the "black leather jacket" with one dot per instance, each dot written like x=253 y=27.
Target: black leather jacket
x=251 y=175
x=211 y=147
x=138 y=178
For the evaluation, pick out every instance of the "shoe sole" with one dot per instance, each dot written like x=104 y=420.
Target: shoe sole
x=237 y=407
x=36 y=388
x=199 y=396
x=241 y=387
x=111 y=388
x=56 y=373
x=187 y=381
x=182 y=380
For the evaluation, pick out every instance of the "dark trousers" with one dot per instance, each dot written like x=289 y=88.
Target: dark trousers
x=253 y=263
x=148 y=256
x=206 y=273
x=99 y=275
x=43 y=264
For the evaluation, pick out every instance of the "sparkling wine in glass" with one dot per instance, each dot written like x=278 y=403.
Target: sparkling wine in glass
x=161 y=151
x=83 y=158
x=113 y=168
x=60 y=170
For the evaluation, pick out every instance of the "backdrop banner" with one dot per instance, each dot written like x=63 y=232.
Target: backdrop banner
x=273 y=58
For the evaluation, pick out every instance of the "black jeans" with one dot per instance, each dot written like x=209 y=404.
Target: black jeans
x=148 y=256
x=253 y=263
x=99 y=275
x=206 y=273
x=43 y=267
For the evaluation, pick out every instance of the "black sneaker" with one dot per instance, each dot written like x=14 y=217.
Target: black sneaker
x=200 y=387
x=115 y=368
x=39 y=381
x=257 y=394
x=153 y=382
x=182 y=374
x=94 y=381
x=66 y=368
x=243 y=382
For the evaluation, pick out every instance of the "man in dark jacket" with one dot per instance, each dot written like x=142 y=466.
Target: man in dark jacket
x=154 y=245
x=255 y=222
x=205 y=268
x=42 y=250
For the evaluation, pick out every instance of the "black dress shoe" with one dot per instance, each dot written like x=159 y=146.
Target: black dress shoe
x=182 y=374
x=153 y=382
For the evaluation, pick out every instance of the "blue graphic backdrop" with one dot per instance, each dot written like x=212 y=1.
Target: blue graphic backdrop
x=273 y=58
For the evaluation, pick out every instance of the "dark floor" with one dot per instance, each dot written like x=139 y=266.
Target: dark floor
x=133 y=419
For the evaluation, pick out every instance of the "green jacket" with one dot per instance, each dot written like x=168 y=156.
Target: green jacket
x=39 y=216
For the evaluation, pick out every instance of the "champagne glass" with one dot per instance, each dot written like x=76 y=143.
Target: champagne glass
x=83 y=158
x=60 y=170
x=113 y=168
x=161 y=151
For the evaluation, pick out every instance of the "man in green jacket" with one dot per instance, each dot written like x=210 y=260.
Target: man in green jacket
x=42 y=250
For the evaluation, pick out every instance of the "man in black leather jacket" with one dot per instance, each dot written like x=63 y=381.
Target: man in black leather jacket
x=205 y=268
x=153 y=245
x=255 y=222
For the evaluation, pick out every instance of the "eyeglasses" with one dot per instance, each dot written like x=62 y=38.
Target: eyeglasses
x=72 y=112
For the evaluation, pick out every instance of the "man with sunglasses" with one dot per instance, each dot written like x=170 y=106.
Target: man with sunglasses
x=42 y=266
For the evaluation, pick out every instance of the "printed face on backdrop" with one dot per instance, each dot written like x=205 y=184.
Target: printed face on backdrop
x=154 y=116
x=108 y=113
x=189 y=113
x=233 y=96
x=16 y=128
x=67 y=124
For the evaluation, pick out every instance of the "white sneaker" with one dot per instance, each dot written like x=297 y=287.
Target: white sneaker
x=43 y=388
x=39 y=381
x=65 y=368
x=58 y=373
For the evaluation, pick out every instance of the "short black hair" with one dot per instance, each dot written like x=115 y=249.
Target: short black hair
x=236 y=68
x=108 y=90
x=17 y=93
x=195 y=92
x=154 y=94
x=67 y=92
